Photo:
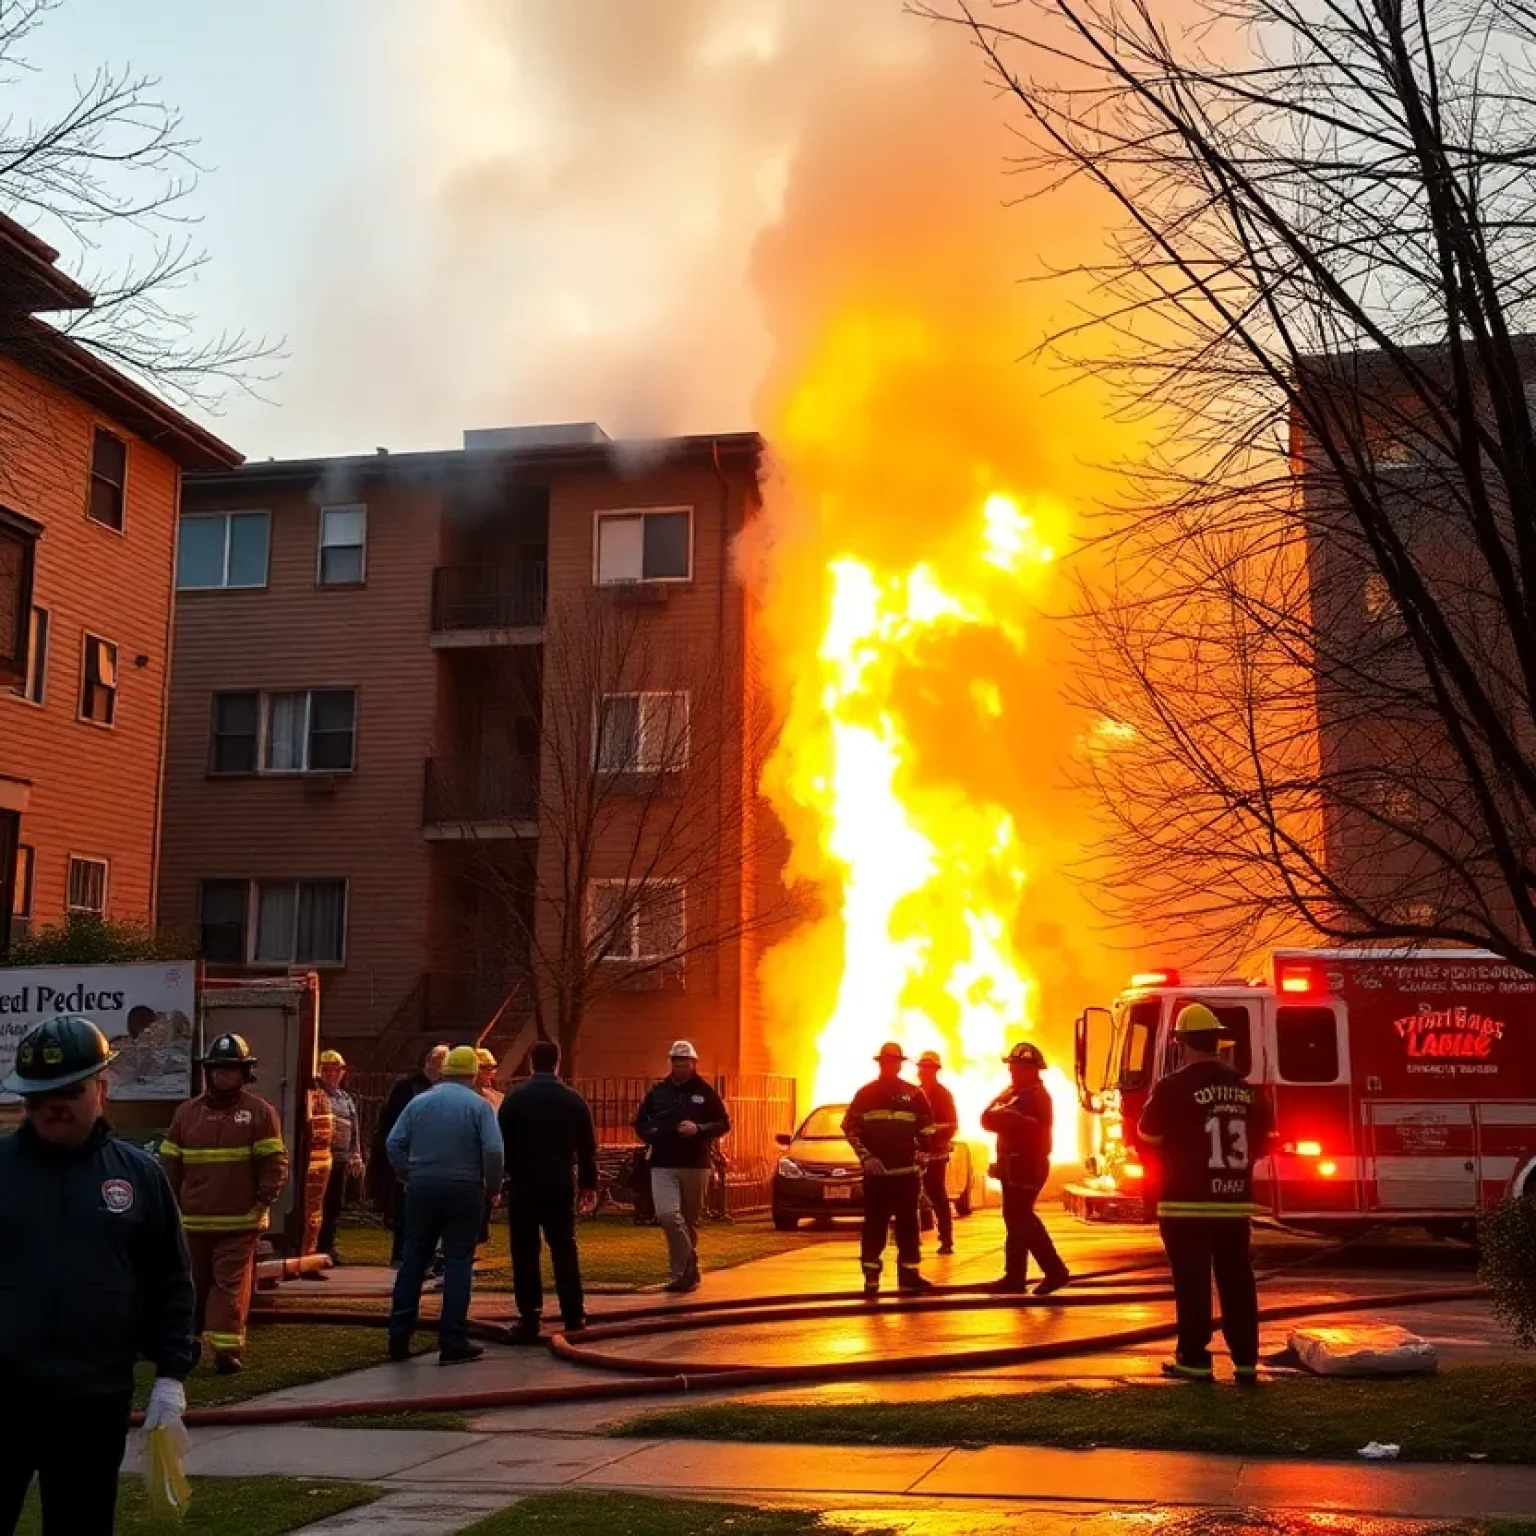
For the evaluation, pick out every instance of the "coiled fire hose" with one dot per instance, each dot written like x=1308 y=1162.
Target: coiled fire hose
x=638 y=1377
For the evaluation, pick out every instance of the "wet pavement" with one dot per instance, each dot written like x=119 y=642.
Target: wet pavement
x=440 y=1482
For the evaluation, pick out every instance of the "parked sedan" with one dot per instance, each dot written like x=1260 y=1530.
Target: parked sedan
x=819 y=1175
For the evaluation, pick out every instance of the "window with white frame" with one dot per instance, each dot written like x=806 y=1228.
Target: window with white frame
x=309 y=732
x=342 y=559
x=636 y=921
x=642 y=733
x=222 y=549
x=87 y=888
x=635 y=546
x=272 y=922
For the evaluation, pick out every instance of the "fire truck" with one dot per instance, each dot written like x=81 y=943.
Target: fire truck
x=1403 y=1086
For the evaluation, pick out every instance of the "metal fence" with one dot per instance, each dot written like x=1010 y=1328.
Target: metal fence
x=761 y=1105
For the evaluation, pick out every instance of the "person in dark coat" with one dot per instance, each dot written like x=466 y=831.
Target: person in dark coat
x=95 y=1276
x=551 y=1148
x=390 y=1193
x=1021 y=1118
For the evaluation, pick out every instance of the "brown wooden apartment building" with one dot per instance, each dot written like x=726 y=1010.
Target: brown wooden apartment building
x=90 y=482
x=380 y=689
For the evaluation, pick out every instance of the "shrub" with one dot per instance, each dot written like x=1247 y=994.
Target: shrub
x=1507 y=1238
x=88 y=940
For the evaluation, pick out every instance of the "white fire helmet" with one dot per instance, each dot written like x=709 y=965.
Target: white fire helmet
x=682 y=1050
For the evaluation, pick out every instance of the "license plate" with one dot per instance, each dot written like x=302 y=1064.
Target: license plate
x=838 y=1192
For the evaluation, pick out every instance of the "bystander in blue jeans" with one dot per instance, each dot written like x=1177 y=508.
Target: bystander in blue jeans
x=450 y=1214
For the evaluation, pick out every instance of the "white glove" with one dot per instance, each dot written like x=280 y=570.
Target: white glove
x=167 y=1403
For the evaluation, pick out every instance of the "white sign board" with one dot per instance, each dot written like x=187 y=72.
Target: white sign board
x=147 y=1011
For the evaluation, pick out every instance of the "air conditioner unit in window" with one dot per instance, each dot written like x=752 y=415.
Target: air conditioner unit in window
x=317 y=784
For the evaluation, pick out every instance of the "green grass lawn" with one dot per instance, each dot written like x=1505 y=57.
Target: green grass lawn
x=614 y=1251
x=251 y=1506
x=284 y=1355
x=457 y=1422
x=1485 y=1411
x=614 y=1514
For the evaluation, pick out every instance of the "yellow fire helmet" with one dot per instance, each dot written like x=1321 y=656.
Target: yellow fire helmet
x=1197 y=1019
x=332 y=1059
x=484 y=1057
x=461 y=1062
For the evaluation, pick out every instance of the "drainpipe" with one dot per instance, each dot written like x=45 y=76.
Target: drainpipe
x=165 y=713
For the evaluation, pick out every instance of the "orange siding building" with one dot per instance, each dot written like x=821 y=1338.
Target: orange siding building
x=90 y=481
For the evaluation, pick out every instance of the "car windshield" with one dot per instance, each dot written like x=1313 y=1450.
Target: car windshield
x=824 y=1124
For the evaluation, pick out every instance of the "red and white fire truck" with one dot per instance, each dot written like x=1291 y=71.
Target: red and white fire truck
x=1404 y=1086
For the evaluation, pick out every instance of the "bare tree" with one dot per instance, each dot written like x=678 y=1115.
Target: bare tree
x=1314 y=656
x=107 y=173
x=631 y=749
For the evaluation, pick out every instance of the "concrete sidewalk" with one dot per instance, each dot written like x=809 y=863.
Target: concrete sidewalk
x=490 y=1470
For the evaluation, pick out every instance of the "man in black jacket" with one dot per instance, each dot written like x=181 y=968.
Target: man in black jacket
x=1021 y=1118
x=551 y=1155
x=94 y=1274
x=391 y=1192
x=679 y=1120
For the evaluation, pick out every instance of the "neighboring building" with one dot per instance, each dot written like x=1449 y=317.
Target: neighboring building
x=1403 y=832
x=90 y=482
x=382 y=670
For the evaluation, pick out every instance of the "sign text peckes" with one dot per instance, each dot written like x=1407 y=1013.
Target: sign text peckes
x=145 y=1011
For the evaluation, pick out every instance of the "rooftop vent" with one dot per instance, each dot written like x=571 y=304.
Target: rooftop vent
x=559 y=434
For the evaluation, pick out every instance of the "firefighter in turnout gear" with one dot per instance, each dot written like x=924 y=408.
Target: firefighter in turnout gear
x=946 y=1123
x=890 y=1128
x=226 y=1161
x=1207 y=1127
x=1021 y=1118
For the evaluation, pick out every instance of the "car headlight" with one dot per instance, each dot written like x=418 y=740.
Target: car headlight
x=790 y=1169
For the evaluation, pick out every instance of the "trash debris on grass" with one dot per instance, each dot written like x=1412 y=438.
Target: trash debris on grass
x=1363 y=1349
x=1376 y=1451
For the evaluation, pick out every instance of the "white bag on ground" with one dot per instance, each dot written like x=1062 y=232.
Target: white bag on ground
x=1364 y=1349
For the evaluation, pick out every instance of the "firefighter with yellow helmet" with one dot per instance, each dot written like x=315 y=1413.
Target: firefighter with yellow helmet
x=1207 y=1127
x=346 y=1148
x=226 y=1162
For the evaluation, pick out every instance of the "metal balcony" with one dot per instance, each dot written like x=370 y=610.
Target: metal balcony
x=479 y=797
x=483 y=605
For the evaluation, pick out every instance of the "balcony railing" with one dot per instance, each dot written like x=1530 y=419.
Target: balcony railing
x=479 y=789
x=488 y=596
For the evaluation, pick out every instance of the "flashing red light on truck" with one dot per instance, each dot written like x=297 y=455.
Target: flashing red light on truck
x=1295 y=979
x=1155 y=979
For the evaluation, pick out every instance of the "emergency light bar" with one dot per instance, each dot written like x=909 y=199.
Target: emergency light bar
x=1155 y=979
x=1293 y=977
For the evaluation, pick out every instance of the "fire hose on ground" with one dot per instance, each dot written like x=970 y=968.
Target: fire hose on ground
x=638 y=1377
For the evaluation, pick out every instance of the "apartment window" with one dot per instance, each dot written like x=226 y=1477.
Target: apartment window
x=311 y=732
x=235 y=733
x=18 y=547
x=223 y=549
x=644 y=546
x=343 y=546
x=98 y=681
x=636 y=922
x=33 y=687
x=642 y=733
x=109 y=479
x=222 y=907
x=87 y=891
x=300 y=922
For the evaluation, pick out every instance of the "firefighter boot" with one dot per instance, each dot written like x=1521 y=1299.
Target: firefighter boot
x=227 y=1363
x=871 y=1281
x=910 y=1280
x=1177 y=1369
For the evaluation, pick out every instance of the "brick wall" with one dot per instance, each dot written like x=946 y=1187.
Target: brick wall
x=367 y=829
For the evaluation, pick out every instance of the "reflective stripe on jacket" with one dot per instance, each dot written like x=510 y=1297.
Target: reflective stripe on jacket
x=889 y=1120
x=226 y=1162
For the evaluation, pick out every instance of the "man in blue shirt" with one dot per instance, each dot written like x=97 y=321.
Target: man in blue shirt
x=447 y=1150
